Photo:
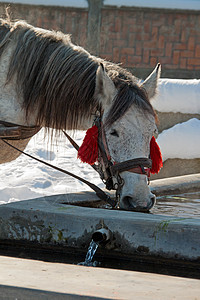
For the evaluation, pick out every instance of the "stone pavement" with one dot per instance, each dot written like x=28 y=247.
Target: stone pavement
x=22 y=279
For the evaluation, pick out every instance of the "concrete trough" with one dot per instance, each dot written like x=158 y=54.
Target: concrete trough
x=49 y=221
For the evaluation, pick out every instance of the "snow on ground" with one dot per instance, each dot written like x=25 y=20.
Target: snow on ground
x=25 y=178
x=181 y=141
x=178 y=95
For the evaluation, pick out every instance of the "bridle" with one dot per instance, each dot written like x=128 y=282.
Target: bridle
x=12 y=131
x=109 y=170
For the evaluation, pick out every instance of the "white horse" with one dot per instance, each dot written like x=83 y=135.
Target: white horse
x=46 y=81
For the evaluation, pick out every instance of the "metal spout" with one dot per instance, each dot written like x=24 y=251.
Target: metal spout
x=101 y=235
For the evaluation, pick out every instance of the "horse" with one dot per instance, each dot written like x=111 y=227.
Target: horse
x=47 y=81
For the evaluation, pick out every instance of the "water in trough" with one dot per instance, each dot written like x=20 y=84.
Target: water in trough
x=185 y=205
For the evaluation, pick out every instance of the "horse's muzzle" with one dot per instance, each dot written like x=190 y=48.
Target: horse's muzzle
x=127 y=203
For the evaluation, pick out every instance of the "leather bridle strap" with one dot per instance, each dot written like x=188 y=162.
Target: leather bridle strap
x=19 y=132
x=130 y=165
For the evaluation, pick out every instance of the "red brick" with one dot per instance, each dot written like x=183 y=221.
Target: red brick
x=131 y=39
x=147 y=26
x=172 y=38
x=191 y=43
x=108 y=46
x=116 y=54
x=176 y=57
x=146 y=56
x=154 y=33
x=146 y=37
x=137 y=28
x=165 y=60
x=194 y=61
x=132 y=59
x=157 y=52
x=183 y=63
x=159 y=21
x=170 y=66
x=168 y=49
x=137 y=59
x=139 y=36
x=161 y=41
x=124 y=31
x=140 y=18
x=112 y=35
x=131 y=21
x=197 y=51
x=128 y=51
x=119 y=43
x=150 y=44
x=153 y=61
x=194 y=31
x=183 y=36
x=177 y=26
x=138 y=48
x=187 y=53
x=165 y=29
x=190 y=67
x=118 y=24
x=180 y=46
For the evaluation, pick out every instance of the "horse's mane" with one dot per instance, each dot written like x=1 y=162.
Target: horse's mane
x=57 y=79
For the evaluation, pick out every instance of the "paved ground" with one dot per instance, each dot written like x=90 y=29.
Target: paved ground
x=27 y=279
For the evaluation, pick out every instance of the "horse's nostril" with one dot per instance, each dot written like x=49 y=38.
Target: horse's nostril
x=127 y=200
x=128 y=204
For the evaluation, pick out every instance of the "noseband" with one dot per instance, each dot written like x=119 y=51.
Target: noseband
x=109 y=170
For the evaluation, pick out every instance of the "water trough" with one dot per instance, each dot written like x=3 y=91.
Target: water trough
x=55 y=222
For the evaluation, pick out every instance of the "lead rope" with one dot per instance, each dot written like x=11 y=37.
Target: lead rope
x=101 y=194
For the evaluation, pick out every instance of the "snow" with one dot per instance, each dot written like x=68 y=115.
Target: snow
x=180 y=4
x=178 y=95
x=25 y=178
x=181 y=141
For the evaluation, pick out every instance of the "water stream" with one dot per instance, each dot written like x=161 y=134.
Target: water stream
x=90 y=254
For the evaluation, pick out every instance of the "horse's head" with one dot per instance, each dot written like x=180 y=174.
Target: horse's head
x=128 y=123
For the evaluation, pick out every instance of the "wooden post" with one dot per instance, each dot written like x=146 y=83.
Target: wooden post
x=94 y=26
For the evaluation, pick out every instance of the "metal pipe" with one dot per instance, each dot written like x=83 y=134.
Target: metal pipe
x=101 y=235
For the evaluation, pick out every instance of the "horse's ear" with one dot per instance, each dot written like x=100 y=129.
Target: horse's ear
x=105 y=89
x=151 y=82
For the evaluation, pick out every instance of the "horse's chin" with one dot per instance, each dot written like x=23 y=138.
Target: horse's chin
x=127 y=204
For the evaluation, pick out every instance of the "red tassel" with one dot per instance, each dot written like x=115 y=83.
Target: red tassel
x=156 y=156
x=88 y=151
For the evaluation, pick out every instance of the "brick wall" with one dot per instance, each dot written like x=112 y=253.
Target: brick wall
x=136 y=37
x=139 y=38
x=67 y=20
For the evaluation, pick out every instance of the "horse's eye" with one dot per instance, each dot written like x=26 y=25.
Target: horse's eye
x=155 y=133
x=114 y=132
